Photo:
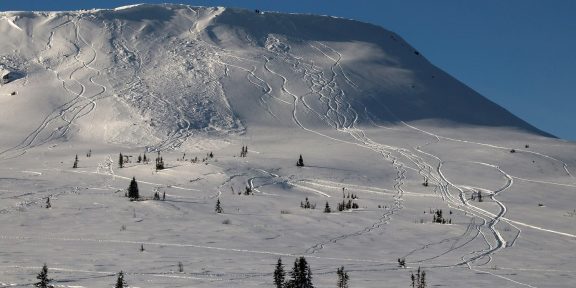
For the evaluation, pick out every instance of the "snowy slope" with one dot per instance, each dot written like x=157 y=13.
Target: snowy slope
x=367 y=112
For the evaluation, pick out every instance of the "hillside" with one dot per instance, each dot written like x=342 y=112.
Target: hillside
x=372 y=118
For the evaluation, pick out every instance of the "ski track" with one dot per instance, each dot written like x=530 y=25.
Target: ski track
x=58 y=123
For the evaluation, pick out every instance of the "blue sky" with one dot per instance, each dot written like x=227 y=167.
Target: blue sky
x=520 y=54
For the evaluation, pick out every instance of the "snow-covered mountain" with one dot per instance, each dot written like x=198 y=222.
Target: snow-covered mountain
x=152 y=71
x=370 y=115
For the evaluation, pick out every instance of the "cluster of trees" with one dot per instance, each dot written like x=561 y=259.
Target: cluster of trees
x=418 y=280
x=88 y=155
x=307 y=205
x=301 y=275
x=244 y=151
x=477 y=196
x=438 y=217
x=347 y=205
x=157 y=196
x=134 y=194
x=141 y=159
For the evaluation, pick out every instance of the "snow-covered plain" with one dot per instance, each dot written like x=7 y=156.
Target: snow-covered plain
x=367 y=112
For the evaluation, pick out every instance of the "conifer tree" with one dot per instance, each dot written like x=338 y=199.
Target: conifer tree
x=301 y=275
x=342 y=278
x=44 y=281
x=48 y=205
x=218 y=208
x=139 y=159
x=75 y=162
x=279 y=274
x=300 y=162
x=327 y=208
x=120 y=283
x=133 y=192
x=144 y=159
x=121 y=161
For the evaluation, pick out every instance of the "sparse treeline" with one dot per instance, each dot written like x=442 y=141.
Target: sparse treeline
x=44 y=281
x=301 y=275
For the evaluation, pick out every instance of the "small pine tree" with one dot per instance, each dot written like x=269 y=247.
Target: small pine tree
x=144 y=159
x=180 y=267
x=44 y=281
x=48 y=205
x=342 y=278
x=327 y=208
x=218 y=208
x=279 y=274
x=300 y=162
x=120 y=282
x=139 y=159
x=121 y=161
x=75 y=162
x=133 y=192
x=141 y=247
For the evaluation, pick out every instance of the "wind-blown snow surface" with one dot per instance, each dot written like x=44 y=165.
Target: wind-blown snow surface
x=367 y=112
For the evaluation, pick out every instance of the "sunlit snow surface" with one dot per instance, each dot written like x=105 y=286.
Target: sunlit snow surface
x=367 y=112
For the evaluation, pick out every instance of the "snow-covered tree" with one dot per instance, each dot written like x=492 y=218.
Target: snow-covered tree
x=75 y=165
